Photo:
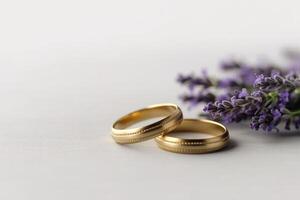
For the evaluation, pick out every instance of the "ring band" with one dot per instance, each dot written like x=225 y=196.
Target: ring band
x=172 y=118
x=179 y=145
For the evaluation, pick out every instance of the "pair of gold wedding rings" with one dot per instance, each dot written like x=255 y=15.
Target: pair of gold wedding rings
x=171 y=122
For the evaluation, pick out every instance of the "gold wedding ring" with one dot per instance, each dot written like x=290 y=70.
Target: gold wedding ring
x=122 y=134
x=219 y=139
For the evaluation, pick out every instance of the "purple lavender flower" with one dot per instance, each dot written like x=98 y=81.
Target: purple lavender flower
x=230 y=65
x=248 y=75
x=265 y=110
x=275 y=82
x=194 y=99
x=267 y=120
x=238 y=108
x=229 y=83
x=267 y=95
x=192 y=81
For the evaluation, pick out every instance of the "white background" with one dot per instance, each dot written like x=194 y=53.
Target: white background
x=68 y=69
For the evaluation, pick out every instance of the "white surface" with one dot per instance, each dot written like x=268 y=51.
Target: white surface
x=70 y=68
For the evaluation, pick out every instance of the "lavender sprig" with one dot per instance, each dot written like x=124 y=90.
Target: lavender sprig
x=275 y=82
x=266 y=96
x=265 y=109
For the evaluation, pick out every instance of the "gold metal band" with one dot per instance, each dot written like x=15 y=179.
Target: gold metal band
x=172 y=118
x=219 y=139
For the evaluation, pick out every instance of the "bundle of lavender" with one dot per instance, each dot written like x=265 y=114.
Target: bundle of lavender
x=266 y=95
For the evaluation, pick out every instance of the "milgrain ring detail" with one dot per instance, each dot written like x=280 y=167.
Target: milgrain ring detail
x=218 y=140
x=172 y=117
